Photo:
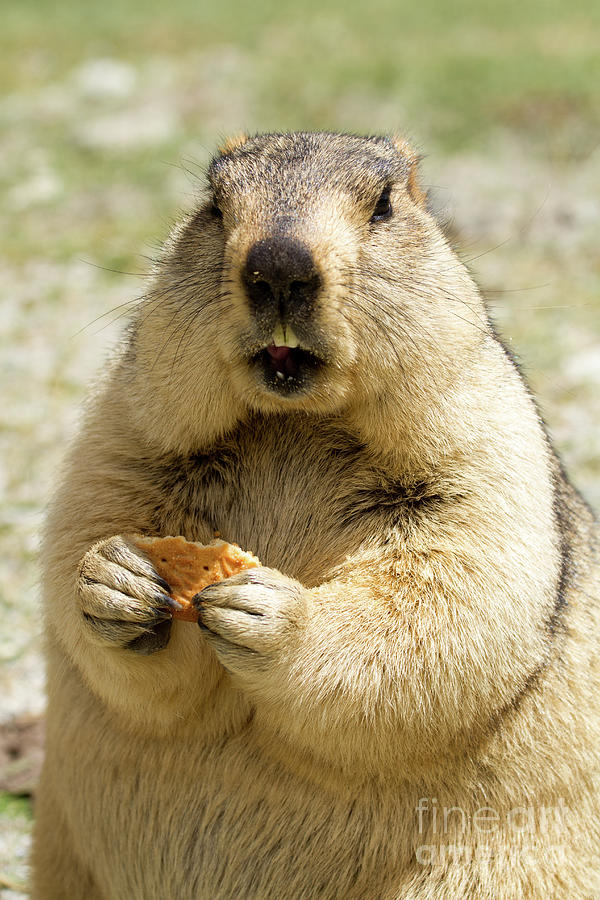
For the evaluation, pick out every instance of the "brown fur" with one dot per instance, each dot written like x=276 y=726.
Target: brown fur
x=422 y=643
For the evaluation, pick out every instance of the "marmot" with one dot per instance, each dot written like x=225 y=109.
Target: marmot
x=402 y=701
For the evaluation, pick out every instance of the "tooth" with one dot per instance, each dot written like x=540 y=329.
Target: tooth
x=280 y=375
x=279 y=336
x=284 y=336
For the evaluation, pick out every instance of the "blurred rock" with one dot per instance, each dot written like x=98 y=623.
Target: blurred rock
x=105 y=77
x=127 y=130
x=41 y=187
x=21 y=754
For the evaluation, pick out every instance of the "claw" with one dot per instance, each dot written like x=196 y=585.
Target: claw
x=165 y=600
x=163 y=584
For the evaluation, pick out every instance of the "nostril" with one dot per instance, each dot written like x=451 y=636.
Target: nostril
x=303 y=291
x=296 y=286
x=261 y=290
x=258 y=291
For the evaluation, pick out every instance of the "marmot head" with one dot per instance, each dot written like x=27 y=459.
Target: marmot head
x=311 y=274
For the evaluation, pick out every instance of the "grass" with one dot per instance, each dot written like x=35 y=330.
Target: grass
x=15 y=807
x=15 y=828
x=455 y=70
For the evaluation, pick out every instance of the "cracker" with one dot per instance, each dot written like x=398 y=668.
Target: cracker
x=189 y=567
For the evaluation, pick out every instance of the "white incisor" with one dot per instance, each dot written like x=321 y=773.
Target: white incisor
x=284 y=336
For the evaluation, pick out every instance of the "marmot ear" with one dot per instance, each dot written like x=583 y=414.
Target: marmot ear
x=233 y=143
x=412 y=160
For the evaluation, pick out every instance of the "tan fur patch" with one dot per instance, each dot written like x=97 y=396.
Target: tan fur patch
x=412 y=157
x=233 y=143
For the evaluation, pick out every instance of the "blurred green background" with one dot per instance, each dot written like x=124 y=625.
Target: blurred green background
x=108 y=112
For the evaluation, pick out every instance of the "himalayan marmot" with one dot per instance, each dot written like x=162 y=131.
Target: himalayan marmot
x=401 y=702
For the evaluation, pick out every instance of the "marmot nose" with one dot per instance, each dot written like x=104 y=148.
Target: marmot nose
x=281 y=271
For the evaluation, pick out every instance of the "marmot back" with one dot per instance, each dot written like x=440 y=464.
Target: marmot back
x=401 y=702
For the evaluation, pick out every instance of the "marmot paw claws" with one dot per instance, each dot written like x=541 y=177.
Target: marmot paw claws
x=251 y=616
x=122 y=598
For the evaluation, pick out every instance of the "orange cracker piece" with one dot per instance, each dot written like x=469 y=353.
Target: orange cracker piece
x=188 y=567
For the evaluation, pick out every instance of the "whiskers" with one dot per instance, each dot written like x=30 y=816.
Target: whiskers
x=195 y=312
x=407 y=338
x=121 y=311
x=186 y=307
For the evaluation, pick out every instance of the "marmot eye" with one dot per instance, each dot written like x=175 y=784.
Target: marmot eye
x=383 y=207
x=215 y=211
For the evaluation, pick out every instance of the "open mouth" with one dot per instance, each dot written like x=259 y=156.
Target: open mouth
x=286 y=369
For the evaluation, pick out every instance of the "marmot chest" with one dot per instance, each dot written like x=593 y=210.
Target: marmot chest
x=291 y=492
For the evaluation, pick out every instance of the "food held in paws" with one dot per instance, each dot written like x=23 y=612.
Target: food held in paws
x=189 y=567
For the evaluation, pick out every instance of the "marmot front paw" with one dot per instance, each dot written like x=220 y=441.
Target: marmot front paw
x=124 y=601
x=248 y=618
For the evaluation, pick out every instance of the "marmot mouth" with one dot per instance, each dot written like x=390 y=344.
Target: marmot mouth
x=286 y=369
